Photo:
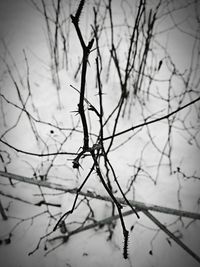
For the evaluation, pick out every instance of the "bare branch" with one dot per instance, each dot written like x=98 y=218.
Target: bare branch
x=155 y=120
x=3 y=213
x=138 y=205
x=170 y=234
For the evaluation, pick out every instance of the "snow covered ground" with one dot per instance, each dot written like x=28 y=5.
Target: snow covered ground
x=22 y=28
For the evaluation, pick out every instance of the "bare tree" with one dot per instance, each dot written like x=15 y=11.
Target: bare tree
x=132 y=96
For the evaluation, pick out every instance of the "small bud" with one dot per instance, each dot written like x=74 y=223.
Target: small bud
x=75 y=164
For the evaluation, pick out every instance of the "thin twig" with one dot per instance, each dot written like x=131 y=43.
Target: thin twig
x=153 y=121
x=138 y=205
x=171 y=235
x=3 y=213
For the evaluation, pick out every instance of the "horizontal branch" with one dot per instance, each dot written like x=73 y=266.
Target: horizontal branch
x=16 y=198
x=136 y=204
x=39 y=203
x=153 y=121
x=36 y=154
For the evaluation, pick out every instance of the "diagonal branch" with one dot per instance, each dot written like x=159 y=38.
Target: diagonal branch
x=138 y=205
x=171 y=235
x=3 y=213
x=153 y=121
x=99 y=223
